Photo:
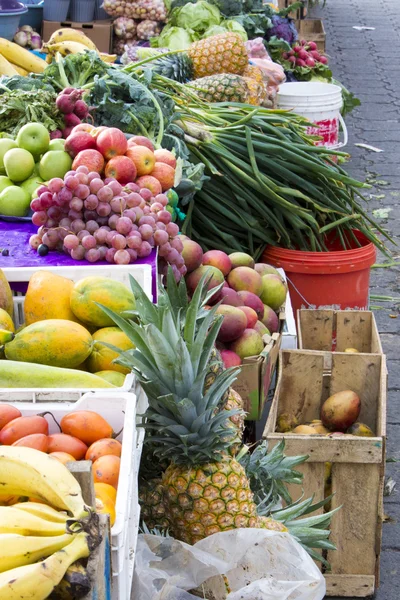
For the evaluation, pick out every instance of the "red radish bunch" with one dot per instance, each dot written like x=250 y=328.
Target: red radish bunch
x=305 y=54
x=70 y=103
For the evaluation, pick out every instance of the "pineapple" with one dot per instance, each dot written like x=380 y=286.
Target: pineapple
x=222 y=53
x=153 y=512
x=177 y=67
x=229 y=88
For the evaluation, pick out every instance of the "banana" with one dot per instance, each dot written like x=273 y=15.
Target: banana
x=19 y=550
x=21 y=57
x=13 y=520
x=6 y=68
x=43 y=511
x=6 y=336
x=74 y=585
x=29 y=472
x=66 y=48
x=20 y=70
x=108 y=58
x=71 y=35
x=36 y=582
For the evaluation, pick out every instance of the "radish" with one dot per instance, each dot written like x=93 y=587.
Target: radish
x=315 y=54
x=323 y=60
x=310 y=62
x=291 y=53
x=300 y=62
x=303 y=42
x=292 y=59
x=302 y=54
x=285 y=55
x=296 y=49
x=312 y=45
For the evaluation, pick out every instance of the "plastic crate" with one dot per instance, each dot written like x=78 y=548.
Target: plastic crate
x=119 y=409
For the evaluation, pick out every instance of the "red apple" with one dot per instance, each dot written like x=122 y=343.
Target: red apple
x=112 y=142
x=151 y=183
x=121 y=168
x=143 y=158
x=165 y=156
x=96 y=131
x=83 y=127
x=92 y=159
x=140 y=140
x=165 y=175
x=81 y=140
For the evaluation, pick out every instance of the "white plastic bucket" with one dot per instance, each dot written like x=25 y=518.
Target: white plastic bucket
x=321 y=104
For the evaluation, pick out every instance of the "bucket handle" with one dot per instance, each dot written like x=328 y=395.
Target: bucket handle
x=345 y=134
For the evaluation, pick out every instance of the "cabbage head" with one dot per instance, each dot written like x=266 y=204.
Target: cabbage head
x=175 y=38
x=214 y=30
x=199 y=17
x=232 y=25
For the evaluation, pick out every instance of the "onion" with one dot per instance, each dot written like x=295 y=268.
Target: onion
x=36 y=41
x=21 y=38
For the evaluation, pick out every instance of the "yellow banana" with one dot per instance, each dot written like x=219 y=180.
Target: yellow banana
x=108 y=58
x=43 y=511
x=20 y=70
x=66 y=48
x=13 y=520
x=71 y=35
x=29 y=472
x=6 y=68
x=21 y=57
x=36 y=582
x=6 y=336
x=19 y=550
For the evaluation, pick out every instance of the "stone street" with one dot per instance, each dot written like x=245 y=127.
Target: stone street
x=366 y=63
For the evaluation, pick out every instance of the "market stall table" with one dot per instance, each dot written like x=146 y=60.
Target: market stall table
x=14 y=237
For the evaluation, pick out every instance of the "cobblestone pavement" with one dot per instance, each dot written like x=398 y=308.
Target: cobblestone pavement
x=367 y=63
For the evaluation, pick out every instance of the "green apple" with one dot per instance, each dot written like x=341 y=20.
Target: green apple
x=4 y=182
x=5 y=145
x=35 y=138
x=31 y=184
x=19 y=164
x=54 y=163
x=57 y=144
x=14 y=201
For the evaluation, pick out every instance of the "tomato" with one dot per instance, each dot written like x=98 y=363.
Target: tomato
x=106 y=470
x=104 y=447
x=38 y=441
x=86 y=425
x=63 y=457
x=101 y=489
x=21 y=427
x=8 y=413
x=61 y=442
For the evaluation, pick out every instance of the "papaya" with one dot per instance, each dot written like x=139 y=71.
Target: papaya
x=55 y=342
x=6 y=297
x=101 y=358
x=91 y=291
x=48 y=297
x=15 y=374
x=6 y=321
x=113 y=377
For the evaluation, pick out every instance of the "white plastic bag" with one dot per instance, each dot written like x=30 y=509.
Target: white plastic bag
x=257 y=564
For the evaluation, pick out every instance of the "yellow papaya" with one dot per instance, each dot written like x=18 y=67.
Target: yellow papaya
x=6 y=297
x=48 y=297
x=113 y=377
x=6 y=321
x=108 y=292
x=54 y=342
x=101 y=358
x=14 y=374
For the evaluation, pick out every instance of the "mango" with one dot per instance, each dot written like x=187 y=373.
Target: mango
x=15 y=374
x=6 y=321
x=340 y=410
x=113 y=377
x=54 y=342
x=48 y=297
x=101 y=358
x=360 y=430
x=6 y=297
x=91 y=291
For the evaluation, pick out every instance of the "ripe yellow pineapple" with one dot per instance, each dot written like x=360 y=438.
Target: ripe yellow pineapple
x=222 y=53
x=229 y=88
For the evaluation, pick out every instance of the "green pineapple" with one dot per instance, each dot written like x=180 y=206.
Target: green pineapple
x=177 y=67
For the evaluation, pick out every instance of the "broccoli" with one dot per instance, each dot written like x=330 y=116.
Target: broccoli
x=75 y=70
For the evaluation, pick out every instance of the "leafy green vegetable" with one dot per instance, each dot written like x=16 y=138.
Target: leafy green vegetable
x=18 y=107
x=75 y=70
x=236 y=27
x=199 y=17
x=28 y=83
x=174 y=38
x=214 y=30
x=255 y=24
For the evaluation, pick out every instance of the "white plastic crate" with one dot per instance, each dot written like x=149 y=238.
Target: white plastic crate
x=119 y=409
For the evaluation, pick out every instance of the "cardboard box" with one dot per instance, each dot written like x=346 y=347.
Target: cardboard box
x=100 y=32
x=312 y=30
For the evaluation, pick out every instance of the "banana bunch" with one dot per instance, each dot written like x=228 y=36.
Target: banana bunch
x=15 y=60
x=72 y=41
x=42 y=541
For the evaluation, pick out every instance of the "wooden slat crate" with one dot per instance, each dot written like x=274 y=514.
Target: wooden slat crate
x=358 y=464
x=335 y=330
x=312 y=30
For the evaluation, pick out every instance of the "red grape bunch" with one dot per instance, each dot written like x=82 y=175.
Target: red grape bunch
x=92 y=219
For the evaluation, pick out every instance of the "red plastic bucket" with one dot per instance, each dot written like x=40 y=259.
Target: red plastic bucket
x=337 y=278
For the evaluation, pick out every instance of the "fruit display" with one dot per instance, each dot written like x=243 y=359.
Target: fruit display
x=57 y=310
x=250 y=296
x=14 y=57
x=67 y=41
x=339 y=414
x=27 y=37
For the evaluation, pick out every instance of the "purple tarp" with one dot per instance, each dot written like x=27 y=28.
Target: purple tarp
x=15 y=238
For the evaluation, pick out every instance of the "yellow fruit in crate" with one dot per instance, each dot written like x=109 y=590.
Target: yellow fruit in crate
x=91 y=291
x=6 y=297
x=48 y=297
x=55 y=342
x=114 y=377
x=101 y=358
x=351 y=350
x=105 y=505
x=6 y=321
x=14 y=374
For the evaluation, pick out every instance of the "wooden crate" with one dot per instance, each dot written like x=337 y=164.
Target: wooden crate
x=335 y=330
x=312 y=30
x=358 y=464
